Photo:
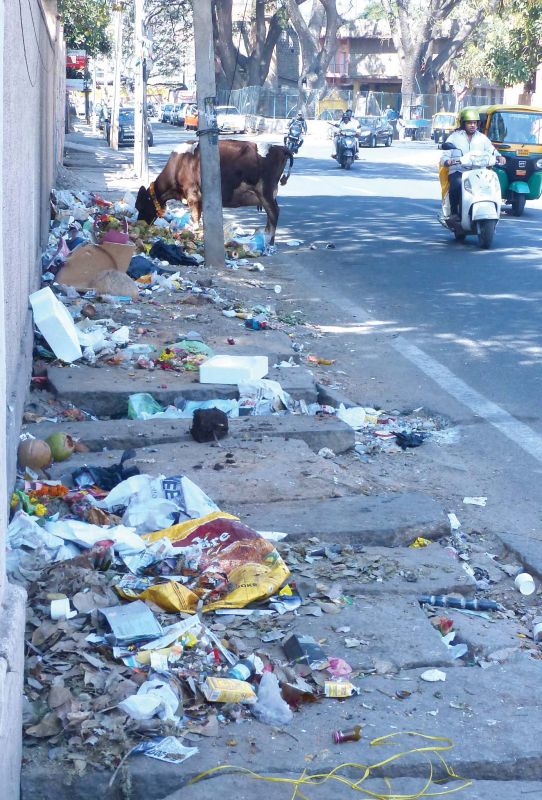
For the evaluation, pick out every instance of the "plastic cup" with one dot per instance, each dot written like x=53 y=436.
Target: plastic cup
x=525 y=583
x=537 y=629
x=60 y=609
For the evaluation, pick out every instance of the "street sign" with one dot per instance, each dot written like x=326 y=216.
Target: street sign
x=76 y=59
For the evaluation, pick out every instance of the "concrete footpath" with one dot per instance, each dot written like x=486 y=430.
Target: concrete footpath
x=350 y=522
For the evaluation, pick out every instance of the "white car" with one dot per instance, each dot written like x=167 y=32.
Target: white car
x=229 y=119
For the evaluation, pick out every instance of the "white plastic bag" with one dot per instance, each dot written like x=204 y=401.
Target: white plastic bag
x=153 y=697
x=126 y=541
x=271 y=708
x=161 y=496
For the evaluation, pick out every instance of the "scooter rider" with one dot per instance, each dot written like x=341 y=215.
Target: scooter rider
x=299 y=120
x=468 y=139
x=346 y=123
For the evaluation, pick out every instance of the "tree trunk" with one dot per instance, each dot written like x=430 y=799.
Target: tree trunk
x=316 y=53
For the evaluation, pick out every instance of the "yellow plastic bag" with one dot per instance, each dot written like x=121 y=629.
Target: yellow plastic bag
x=231 y=564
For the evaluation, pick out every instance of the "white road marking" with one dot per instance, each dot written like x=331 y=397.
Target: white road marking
x=519 y=433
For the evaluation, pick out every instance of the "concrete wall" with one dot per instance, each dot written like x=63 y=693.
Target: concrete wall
x=31 y=140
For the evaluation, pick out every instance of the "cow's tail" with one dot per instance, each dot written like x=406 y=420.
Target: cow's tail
x=286 y=175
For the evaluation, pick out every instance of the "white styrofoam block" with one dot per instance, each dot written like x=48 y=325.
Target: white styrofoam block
x=55 y=324
x=233 y=369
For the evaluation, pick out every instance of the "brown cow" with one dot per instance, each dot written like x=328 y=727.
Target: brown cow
x=250 y=175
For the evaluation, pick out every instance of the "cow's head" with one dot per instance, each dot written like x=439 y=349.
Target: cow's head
x=145 y=205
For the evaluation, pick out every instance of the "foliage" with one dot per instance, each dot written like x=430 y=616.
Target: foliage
x=508 y=48
x=86 y=25
x=429 y=36
x=168 y=25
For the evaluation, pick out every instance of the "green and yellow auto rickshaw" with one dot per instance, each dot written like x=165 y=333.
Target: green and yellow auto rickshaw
x=516 y=132
x=442 y=124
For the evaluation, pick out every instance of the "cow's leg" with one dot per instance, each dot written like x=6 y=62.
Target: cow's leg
x=194 y=204
x=271 y=207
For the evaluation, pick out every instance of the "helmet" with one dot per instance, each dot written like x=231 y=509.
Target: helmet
x=299 y=115
x=469 y=115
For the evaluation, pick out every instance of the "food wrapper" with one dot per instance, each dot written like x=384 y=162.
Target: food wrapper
x=420 y=541
x=231 y=565
x=228 y=690
x=171 y=596
x=339 y=689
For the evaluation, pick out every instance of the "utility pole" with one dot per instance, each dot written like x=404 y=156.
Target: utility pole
x=213 y=225
x=114 y=125
x=141 y=145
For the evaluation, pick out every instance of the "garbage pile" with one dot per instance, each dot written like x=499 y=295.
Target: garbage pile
x=139 y=590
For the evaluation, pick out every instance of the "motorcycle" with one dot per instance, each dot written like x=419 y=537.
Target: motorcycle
x=480 y=197
x=294 y=138
x=346 y=148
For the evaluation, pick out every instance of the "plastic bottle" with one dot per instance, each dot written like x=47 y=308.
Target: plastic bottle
x=242 y=671
x=349 y=735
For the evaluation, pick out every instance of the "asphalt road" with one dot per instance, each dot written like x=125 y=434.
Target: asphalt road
x=467 y=320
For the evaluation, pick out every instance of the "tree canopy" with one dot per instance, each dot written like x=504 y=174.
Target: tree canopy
x=86 y=25
x=507 y=49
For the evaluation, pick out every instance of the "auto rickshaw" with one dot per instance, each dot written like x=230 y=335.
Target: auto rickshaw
x=442 y=124
x=516 y=132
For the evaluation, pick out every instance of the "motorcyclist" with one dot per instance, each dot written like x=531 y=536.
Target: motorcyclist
x=298 y=121
x=346 y=123
x=468 y=139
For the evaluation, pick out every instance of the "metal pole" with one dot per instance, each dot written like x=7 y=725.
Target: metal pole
x=213 y=225
x=141 y=152
x=114 y=127
x=94 y=120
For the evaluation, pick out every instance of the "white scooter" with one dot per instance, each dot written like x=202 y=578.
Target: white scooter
x=480 y=197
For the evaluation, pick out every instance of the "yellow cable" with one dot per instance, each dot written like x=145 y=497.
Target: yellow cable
x=318 y=779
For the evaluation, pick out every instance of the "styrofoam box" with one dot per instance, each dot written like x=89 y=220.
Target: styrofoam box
x=232 y=369
x=55 y=324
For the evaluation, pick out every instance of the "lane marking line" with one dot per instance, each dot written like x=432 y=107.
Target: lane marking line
x=519 y=433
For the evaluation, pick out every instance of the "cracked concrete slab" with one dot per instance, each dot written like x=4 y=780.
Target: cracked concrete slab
x=261 y=471
x=120 y=434
x=105 y=391
x=389 y=520
x=244 y=787
x=385 y=571
x=394 y=634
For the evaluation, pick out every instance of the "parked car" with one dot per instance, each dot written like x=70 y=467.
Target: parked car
x=166 y=112
x=229 y=119
x=177 y=114
x=127 y=128
x=374 y=130
x=191 y=118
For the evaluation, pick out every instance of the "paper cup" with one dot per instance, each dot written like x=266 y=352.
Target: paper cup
x=525 y=583
x=60 y=609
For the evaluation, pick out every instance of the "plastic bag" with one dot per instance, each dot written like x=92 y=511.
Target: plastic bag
x=271 y=709
x=126 y=541
x=142 y=406
x=262 y=397
x=153 y=697
x=232 y=565
x=140 y=493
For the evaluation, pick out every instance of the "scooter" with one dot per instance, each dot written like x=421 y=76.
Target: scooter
x=346 y=148
x=480 y=198
x=294 y=138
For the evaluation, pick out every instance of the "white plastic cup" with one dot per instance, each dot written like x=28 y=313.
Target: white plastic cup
x=525 y=583
x=537 y=629
x=60 y=609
